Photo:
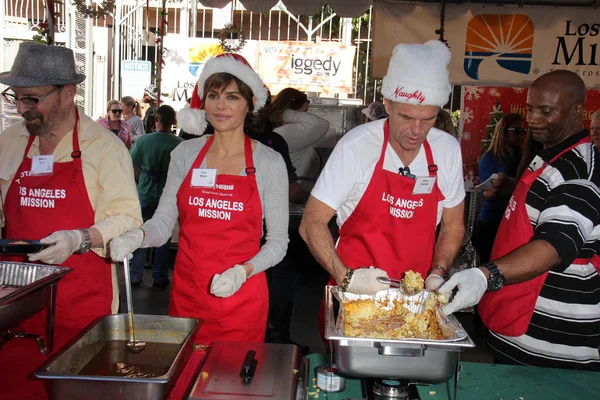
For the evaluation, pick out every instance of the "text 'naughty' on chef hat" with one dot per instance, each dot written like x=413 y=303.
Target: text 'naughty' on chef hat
x=418 y=74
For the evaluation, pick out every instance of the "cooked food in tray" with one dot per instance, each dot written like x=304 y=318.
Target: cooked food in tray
x=413 y=282
x=392 y=315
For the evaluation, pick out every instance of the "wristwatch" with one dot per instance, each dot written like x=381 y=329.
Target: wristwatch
x=86 y=244
x=496 y=279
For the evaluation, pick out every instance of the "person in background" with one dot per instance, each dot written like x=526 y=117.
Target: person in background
x=75 y=207
x=539 y=296
x=375 y=111
x=132 y=113
x=444 y=123
x=392 y=182
x=595 y=128
x=502 y=158
x=150 y=99
x=220 y=188
x=151 y=155
x=114 y=122
x=301 y=130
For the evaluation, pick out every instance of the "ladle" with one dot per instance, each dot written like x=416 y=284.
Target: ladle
x=133 y=345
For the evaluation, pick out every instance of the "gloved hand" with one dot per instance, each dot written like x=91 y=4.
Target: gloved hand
x=364 y=281
x=433 y=282
x=471 y=283
x=229 y=282
x=127 y=243
x=64 y=244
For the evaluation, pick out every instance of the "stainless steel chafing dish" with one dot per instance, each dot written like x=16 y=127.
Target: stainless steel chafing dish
x=26 y=289
x=66 y=375
x=429 y=361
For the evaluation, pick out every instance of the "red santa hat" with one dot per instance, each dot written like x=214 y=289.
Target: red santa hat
x=192 y=118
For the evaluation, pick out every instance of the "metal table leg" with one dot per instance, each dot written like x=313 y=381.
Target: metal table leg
x=50 y=317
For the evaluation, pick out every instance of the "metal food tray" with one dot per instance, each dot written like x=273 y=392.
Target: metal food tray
x=60 y=372
x=423 y=360
x=26 y=289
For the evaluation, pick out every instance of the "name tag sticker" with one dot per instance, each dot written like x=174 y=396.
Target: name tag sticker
x=42 y=165
x=204 y=177
x=424 y=185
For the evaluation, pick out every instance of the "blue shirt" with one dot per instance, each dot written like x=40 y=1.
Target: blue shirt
x=493 y=210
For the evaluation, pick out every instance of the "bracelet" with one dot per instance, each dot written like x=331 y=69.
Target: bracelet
x=347 y=279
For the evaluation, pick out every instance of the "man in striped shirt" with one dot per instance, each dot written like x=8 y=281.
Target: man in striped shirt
x=542 y=289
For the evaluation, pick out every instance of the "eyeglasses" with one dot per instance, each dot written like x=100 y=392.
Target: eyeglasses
x=116 y=111
x=517 y=131
x=29 y=102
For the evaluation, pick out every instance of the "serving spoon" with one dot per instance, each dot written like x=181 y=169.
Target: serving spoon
x=133 y=345
x=399 y=284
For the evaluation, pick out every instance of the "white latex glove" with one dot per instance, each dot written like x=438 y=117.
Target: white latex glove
x=122 y=246
x=433 y=282
x=227 y=283
x=471 y=284
x=64 y=244
x=364 y=281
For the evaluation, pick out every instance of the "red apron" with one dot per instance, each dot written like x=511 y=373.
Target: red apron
x=84 y=294
x=220 y=227
x=509 y=310
x=391 y=228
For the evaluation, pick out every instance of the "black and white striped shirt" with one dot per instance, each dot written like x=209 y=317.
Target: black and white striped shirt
x=563 y=205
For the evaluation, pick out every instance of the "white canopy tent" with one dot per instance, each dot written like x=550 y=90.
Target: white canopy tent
x=355 y=8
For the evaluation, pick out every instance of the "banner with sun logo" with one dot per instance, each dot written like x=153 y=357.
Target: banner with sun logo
x=493 y=45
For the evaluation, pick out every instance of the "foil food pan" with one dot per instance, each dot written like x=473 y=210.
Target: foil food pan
x=450 y=328
x=17 y=278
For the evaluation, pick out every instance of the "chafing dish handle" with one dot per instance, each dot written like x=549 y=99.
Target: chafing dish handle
x=404 y=350
x=249 y=366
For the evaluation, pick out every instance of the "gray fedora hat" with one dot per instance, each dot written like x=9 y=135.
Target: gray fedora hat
x=42 y=65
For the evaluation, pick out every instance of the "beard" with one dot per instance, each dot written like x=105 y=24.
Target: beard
x=38 y=125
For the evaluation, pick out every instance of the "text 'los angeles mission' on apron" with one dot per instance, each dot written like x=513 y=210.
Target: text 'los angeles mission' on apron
x=220 y=227
x=36 y=206
x=392 y=228
x=509 y=310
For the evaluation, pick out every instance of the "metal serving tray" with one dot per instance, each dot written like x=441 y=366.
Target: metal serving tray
x=422 y=360
x=257 y=371
x=60 y=372
x=25 y=290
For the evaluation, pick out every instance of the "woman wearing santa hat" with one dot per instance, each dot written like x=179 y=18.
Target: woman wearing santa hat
x=220 y=187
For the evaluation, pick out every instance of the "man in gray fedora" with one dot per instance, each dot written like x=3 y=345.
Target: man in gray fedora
x=69 y=183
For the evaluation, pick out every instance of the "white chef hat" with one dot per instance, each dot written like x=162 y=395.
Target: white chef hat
x=418 y=74
x=192 y=118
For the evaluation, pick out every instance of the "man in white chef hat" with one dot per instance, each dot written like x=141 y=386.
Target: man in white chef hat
x=392 y=182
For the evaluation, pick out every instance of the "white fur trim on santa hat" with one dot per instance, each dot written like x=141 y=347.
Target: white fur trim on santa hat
x=238 y=69
x=418 y=74
x=192 y=120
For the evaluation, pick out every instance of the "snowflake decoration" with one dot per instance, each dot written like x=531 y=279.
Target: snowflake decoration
x=470 y=179
x=518 y=89
x=466 y=136
x=473 y=92
x=467 y=115
x=494 y=92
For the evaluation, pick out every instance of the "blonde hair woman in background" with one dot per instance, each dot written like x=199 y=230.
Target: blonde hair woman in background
x=444 y=122
x=502 y=157
x=114 y=122
x=133 y=115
